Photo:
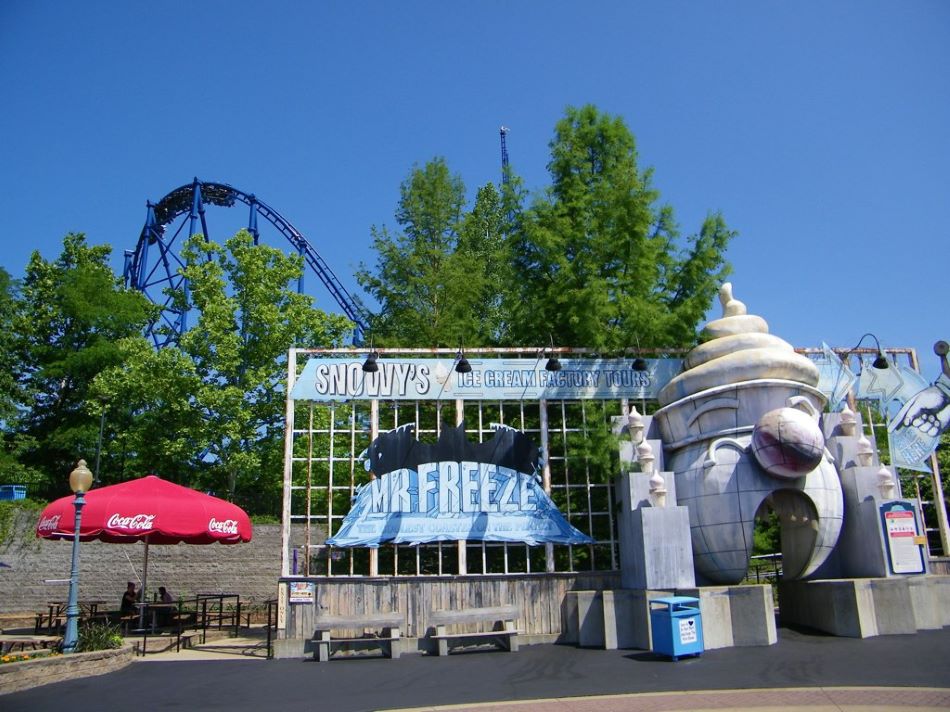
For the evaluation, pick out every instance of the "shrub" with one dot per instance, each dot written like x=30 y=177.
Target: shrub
x=98 y=636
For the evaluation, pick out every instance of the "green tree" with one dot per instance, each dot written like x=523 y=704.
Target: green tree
x=597 y=260
x=12 y=444
x=69 y=318
x=483 y=245
x=209 y=411
x=434 y=279
x=8 y=386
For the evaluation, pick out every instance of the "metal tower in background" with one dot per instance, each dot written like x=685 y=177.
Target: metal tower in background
x=504 y=156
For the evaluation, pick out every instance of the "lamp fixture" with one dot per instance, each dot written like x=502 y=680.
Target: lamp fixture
x=370 y=365
x=461 y=363
x=880 y=361
x=639 y=363
x=554 y=363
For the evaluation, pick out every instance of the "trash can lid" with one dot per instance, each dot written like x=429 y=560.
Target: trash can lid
x=675 y=600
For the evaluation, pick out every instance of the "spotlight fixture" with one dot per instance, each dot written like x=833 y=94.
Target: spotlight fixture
x=553 y=364
x=370 y=365
x=880 y=361
x=461 y=363
x=639 y=363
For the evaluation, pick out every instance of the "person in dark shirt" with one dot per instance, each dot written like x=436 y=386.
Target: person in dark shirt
x=128 y=599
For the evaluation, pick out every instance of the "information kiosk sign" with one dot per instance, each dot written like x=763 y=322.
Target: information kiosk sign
x=905 y=545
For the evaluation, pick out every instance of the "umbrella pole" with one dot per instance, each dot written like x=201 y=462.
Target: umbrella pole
x=143 y=590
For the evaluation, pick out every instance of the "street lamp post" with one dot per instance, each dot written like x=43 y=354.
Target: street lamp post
x=80 y=480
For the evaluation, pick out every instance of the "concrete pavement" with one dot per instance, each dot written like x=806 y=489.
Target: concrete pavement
x=803 y=671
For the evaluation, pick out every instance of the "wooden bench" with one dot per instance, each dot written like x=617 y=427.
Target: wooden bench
x=502 y=619
x=385 y=634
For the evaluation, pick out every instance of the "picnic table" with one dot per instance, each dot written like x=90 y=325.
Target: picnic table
x=155 y=610
x=53 y=619
x=10 y=642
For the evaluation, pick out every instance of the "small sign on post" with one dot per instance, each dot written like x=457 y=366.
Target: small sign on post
x=302 y=591
x=904 y=543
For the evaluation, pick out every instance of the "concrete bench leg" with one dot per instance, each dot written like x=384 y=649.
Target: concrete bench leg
x=507 y=635
x=442 y=642
x=512 y=636
x=322 y=652
x=393 y=647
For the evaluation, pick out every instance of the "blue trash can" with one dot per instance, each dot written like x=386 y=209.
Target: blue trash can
x=677 y=626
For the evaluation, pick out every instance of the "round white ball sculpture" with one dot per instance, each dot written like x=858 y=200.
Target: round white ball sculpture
x=787 y=443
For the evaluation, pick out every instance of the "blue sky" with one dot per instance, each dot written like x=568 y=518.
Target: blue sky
x=821 y=130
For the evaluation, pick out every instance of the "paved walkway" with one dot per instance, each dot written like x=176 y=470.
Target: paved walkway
x=802 y=672
x=819 y=699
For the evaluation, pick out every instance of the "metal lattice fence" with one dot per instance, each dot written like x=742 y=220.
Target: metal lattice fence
x=325 y=473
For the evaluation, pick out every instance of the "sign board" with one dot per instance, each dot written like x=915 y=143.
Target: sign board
x=688 y=630
x=302 y=591
x=905 y=546
x=340 y=379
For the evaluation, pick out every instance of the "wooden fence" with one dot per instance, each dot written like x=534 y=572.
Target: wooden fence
x=540 y=598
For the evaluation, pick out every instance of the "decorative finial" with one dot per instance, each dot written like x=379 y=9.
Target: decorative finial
x=848 y=421
x=885 y=483
x=864 y=452
x=635 y=425
x=730 y=305
x=658 y=490
x=645 y=457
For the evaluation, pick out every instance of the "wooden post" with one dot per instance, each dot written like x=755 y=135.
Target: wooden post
x=373 y=433
x=461 y=544
x=546 y=477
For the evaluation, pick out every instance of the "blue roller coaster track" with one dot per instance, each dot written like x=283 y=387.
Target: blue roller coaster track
x=153 y=267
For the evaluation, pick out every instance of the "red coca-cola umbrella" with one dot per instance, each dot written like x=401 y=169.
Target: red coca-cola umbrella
x=150 y=510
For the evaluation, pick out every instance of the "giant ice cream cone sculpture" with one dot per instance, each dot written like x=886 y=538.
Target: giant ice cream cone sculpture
x=740 y=426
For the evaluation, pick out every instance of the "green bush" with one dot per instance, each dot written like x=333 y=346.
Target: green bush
x=98 y=636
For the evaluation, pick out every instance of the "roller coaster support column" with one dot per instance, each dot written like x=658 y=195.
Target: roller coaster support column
x=136 y=269
x=197 y=212
x=252 y=220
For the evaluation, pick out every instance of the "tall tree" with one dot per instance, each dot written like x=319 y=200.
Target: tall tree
x=482 y=242
x=69 y=318
x=209 y=411
x=12 y=443
x=597 y=260
x=8 y=387
x=433 y=278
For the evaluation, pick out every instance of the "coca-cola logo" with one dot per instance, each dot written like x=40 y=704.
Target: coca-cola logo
x=48 y=524
x=228 y=526
x=136 y=521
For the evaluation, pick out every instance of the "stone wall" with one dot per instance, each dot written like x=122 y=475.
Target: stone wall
x=249 y=569
x=15 y=677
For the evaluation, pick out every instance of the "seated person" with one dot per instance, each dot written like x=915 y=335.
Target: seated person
x=128 y=599
x=165 y=614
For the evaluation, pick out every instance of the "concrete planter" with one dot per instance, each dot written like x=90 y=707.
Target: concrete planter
x=46 y=669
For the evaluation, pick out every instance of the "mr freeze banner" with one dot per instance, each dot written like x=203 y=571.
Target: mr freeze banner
x=453 y=490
